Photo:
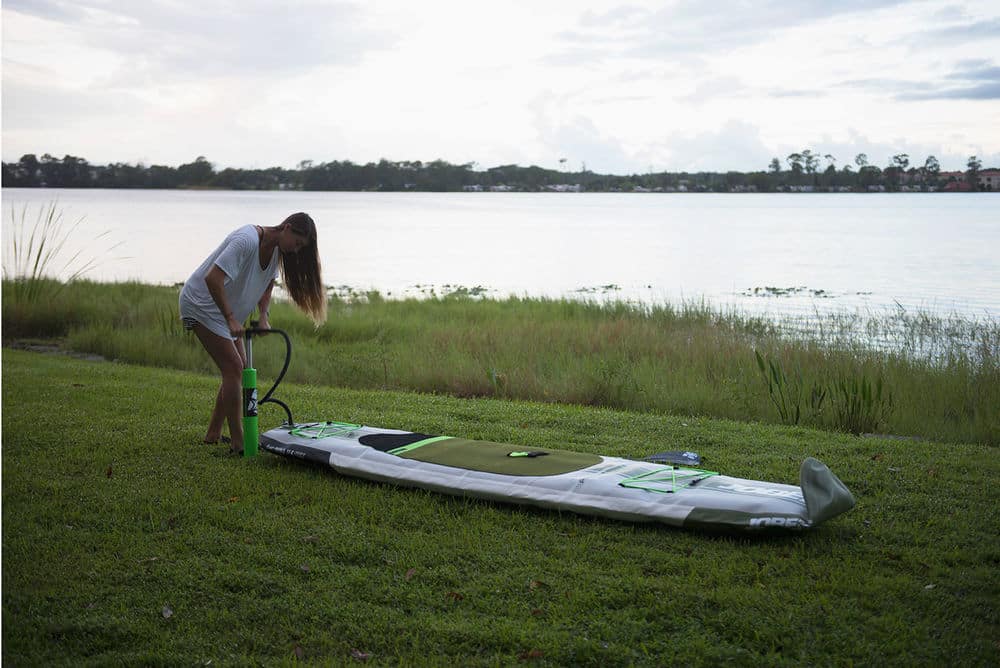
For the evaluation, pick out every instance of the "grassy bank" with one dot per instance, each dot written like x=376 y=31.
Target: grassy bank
x=126 y=541
x=689 y=359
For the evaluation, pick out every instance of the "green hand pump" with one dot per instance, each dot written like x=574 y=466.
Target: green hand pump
x=251 y=427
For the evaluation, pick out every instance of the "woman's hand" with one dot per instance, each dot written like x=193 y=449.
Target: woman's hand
x=235 y=326
x=215 y=281
x=263 y=323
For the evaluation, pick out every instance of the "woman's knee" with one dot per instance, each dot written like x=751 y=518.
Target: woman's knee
x=224 y=352
x=232 y=374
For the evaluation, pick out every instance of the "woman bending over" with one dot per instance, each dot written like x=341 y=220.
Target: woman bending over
x=236 y=277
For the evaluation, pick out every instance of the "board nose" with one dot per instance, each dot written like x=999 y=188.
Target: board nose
x=826 y=496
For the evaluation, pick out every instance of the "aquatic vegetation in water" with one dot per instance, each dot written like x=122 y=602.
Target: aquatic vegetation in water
x=602 y=289
x=770 y=291
x=451 y=290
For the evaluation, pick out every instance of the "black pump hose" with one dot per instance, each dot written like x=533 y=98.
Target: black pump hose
x=256 y=331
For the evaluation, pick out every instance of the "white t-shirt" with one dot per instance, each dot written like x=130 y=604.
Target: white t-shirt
x=238 y=257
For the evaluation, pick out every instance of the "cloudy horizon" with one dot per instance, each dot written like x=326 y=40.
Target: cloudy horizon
x=620 y=88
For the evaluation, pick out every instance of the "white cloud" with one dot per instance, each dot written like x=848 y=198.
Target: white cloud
x=621 y=87
x=188 y=38
x=735 y=143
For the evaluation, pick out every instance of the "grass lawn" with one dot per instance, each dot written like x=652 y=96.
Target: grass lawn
x=127 y=541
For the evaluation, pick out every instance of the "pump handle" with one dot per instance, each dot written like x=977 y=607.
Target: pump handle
x=253 y=330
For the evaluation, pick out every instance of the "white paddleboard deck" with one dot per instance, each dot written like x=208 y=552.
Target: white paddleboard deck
x=612 y=487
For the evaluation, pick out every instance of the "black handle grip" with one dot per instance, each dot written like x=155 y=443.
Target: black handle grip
x=253 y=330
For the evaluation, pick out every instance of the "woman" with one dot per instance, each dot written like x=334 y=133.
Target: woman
x=222 y=292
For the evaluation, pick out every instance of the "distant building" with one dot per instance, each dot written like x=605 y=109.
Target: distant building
x=989 y=179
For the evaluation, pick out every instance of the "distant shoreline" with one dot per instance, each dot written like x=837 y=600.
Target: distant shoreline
x=803 y=176
x=655 y=191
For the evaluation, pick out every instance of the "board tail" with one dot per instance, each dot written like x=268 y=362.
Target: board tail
x=826 y=496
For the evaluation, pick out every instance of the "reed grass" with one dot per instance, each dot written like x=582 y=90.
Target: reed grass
x=37 y=267
x=688 y=359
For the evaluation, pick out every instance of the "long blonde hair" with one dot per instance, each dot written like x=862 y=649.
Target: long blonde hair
x=301 y=272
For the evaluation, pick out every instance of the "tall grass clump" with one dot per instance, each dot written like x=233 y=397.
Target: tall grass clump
x=862 y=405
x=788 y=393
x=683 y=359
x=37 y=268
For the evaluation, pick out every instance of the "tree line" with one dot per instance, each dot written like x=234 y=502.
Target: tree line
x=806 y=171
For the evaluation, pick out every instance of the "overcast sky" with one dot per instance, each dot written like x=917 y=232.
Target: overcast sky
x=622 y=87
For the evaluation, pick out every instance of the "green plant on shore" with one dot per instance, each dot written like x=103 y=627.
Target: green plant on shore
x=169 y=322
x=787 y=395
x=383 y=354
x=34 y=257
x=37 y=267
x=861 y=405
x=498 y=381
x=612 y=383
x=779 y=390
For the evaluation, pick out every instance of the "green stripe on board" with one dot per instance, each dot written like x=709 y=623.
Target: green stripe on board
x=418 y=444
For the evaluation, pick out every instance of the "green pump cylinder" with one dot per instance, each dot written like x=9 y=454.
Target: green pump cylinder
x=251 y=438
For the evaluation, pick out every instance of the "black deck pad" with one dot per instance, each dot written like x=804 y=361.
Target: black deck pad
x=386 y=442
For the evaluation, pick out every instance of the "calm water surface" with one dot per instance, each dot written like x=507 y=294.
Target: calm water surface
x=781 y=254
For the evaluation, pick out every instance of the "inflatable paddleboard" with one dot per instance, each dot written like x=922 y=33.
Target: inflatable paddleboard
x=613 y=487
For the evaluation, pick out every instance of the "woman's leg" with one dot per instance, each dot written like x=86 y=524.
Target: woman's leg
x=214 y=433
x=228 y=355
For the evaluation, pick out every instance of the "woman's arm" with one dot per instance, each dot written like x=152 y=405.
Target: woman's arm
x=265 y=307
x=215 y=280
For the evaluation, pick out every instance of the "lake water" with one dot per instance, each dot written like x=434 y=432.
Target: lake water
x=777 y=254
